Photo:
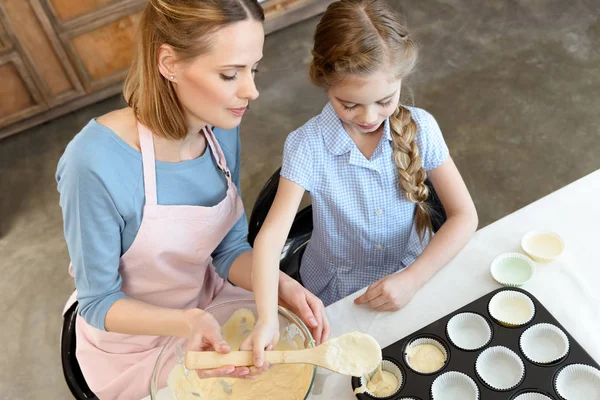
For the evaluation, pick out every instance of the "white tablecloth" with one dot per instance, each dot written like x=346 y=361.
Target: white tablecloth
x=568 y=287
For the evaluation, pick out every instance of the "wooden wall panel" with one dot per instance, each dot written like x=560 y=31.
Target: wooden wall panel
x=37 y=44
x=5 y=43
x=65 y=10
x=19 y=95
x=103 y=55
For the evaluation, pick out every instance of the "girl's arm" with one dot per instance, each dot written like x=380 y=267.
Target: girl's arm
x=395 y=291
x=460 y=224
x=265 y=265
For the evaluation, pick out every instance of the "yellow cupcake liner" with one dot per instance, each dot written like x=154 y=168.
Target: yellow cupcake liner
x=511 y=308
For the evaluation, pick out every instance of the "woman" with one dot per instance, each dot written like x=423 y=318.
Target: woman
x=153 y=221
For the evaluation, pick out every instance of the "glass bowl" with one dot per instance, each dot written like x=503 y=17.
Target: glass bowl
x=173 y=351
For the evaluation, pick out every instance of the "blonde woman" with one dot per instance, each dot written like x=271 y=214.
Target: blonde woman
x=154 y=224
x=364 y=161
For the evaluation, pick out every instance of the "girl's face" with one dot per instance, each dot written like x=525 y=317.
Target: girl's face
x=215 y=88
x=363 y=103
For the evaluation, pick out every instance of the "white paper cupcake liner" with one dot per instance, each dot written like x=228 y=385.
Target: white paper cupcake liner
x=544 y=343
x=512 y=269
x=500 y=368
x=511 y=308
x=532 y=396
x=389 y=366
x=578 y=382
x=469 y=331
x=553 y=247
x=422 y=341
x=454 y=385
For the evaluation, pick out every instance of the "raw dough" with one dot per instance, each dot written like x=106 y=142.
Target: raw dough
x=381 y=384
x=353 y=353
x=286 y=381
x=425 y=358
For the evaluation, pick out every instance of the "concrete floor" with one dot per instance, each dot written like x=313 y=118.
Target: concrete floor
x=513 y=85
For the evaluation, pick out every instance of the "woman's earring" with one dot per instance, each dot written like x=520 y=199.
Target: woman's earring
x=171 y=77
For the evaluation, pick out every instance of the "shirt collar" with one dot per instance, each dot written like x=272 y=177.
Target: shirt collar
x=336 y=138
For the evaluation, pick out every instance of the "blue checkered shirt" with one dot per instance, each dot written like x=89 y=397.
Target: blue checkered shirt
x=363 y=224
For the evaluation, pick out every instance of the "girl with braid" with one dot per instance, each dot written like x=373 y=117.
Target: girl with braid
x=364 y=161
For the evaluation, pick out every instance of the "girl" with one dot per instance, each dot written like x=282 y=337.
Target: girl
x=364 y=161
x=153 y=220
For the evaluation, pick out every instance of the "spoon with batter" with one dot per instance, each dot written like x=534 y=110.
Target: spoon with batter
x=353 y=354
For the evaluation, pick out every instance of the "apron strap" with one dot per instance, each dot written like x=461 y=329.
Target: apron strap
x=149 y=163
x=217 y=152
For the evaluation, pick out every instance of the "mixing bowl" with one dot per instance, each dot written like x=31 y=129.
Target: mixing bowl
x=173 y=351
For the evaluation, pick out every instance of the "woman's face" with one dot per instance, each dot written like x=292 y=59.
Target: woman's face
x=215 y=88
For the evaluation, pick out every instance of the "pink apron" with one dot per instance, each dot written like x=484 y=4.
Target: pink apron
x=169 y=264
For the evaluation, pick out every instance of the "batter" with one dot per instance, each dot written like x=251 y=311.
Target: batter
x=425 y=358
x=382 y=384
x=353 y=353
x=286 y=381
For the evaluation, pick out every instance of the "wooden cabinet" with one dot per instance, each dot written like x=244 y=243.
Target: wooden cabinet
x=60 y=55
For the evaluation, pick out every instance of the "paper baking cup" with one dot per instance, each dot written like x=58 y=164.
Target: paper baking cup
x=421 y=341
x=454 y=385
x=532 y=396
x=578 y=382
x=512 y=269
x=511 y=308
x=543 y=245
x=469 y=331
x=500 y=368
x=544 y=343
x=389 y=366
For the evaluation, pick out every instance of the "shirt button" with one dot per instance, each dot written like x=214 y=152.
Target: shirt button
x=379 y=247
x=379 y=212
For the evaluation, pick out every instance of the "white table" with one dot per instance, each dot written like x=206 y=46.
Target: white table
x=565 y=286
x=568 y=287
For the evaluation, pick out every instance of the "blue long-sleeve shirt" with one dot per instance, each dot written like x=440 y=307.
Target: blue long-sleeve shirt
x=101 y=188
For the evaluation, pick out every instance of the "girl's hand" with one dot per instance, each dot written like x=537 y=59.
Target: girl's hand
x=390 y=293
x=264 y=336
x=307 y=306
x=204 y=333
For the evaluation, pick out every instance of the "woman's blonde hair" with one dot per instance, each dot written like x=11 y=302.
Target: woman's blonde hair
x=187 y=26
x=361 y=37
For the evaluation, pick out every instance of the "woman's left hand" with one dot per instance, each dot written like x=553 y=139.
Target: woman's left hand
x=390 y=293
x=296 y=298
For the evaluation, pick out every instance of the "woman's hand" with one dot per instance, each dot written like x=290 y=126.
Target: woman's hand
x=307 y=306
x=264 y=336
x=204 y=333
x=390 y=293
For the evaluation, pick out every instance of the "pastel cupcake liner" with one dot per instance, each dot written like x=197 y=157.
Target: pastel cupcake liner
x=532 y=396
x=542 y=245
x=544 y=343
x=512 y=269
x=511 y=308
x=500 y=368
x=469 y=331
x=454 y=385
x=422 y=341
x=578 y=382
x=389 y=366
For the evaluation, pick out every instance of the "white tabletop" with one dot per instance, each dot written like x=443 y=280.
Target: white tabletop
x=565 y=286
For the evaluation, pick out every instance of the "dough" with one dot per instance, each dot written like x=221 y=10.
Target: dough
x=286 y=381
x=425 y=358
x=353 y=353
x=382 y=384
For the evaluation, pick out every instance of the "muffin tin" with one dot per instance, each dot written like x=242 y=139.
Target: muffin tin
x=506 y=346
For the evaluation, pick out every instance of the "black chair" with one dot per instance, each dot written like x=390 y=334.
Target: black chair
x=300 y=231
x=302 y=226
x=70 y=366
